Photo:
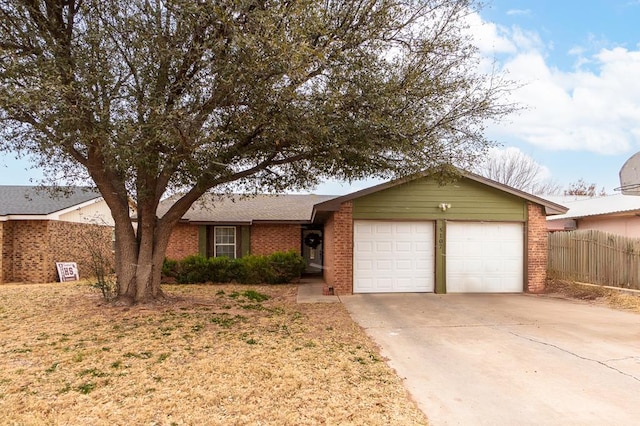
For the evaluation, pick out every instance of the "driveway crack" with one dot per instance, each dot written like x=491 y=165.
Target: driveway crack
x=603 y=363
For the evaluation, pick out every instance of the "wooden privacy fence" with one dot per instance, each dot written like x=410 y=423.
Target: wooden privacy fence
x=594 y=257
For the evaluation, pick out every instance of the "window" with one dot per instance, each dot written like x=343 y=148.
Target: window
x=225 y=241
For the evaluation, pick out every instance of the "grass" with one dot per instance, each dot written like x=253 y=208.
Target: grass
x=594 y=294
x=224 y=354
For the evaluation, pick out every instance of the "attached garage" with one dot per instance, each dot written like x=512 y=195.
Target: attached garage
x=423 y=235
x=391 y=256
x=485 y=257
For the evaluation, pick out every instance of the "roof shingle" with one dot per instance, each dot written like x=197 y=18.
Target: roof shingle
x=34 y=200
x=247 y=209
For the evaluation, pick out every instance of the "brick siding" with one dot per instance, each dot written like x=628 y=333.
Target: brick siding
x=536 y=248
x=338 y=251
x=5 y=262
x=30 y=248
x=183 y=241
x=270 y=238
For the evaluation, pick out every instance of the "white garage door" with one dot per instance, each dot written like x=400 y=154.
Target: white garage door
x=484 y=257
x=393 y=257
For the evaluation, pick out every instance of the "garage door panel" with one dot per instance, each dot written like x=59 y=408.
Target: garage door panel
x=401 y=255
x=484 y=257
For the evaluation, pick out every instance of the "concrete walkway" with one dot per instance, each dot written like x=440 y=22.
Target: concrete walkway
x=310 y=291
x=508 y=359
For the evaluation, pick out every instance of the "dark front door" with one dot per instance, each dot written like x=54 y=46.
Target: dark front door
x=312 y=250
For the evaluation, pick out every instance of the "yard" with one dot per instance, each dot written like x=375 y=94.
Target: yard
x=216 y=355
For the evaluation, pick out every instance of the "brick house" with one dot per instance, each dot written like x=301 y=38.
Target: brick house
x=408 y=235
x=38 y=229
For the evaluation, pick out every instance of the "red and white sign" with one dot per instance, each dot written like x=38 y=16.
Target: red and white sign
x=67 y=271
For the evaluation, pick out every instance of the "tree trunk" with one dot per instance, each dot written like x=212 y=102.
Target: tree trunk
x=139 y=262
x=139 y=271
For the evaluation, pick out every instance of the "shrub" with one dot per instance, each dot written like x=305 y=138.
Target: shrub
x=171 y=268
x=254 y=270
x=286 y=267
x=193 y=269
x=276 y=268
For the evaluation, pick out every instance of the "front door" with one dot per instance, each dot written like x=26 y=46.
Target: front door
x=312 y=250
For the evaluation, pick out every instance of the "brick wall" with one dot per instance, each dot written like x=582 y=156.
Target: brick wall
x=536 y=248
x=270 y=238
x=183 y=241
x=338 y=250
x=78 y=242
x=7 y=252
x=329 y=255
x=30 y=254
x=30 y=248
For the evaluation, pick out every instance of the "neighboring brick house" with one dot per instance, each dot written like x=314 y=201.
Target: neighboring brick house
x=38 y=229
x=411 y=235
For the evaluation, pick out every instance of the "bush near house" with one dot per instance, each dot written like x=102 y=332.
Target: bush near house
x=276 y=268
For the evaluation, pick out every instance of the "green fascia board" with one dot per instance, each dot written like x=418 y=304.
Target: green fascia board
x=421 y=199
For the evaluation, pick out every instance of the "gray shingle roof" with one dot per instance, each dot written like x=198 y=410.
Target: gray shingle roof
x=243 y=209
x=33 y=200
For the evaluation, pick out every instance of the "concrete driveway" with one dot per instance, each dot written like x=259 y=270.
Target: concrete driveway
x=508 y=359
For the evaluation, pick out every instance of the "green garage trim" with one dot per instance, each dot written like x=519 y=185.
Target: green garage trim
x=440 y=257
x=421 y=199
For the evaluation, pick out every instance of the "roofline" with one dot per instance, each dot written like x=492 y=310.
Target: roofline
x=74 y=207
x=249 y=222
x=616 y=213
x=8 y=217
x=551 y=208
x=52 y=215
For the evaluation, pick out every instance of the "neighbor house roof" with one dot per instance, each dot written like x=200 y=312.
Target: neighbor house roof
x=598 y=206
x=551 y=208
x=213 y=208
x=34 y=200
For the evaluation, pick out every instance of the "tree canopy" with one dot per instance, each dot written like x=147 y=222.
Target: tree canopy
x=146 y=97
x=582 y=188
x=514 y=168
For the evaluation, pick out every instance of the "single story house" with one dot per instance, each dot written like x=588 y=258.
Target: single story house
x=616 y=214
x=38 y=229
x=407 y=235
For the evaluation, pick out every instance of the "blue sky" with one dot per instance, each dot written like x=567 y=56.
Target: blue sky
x=579 y=65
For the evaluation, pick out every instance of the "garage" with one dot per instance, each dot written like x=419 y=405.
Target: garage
x=484 y=257
x=393 y=256
x=426 y=234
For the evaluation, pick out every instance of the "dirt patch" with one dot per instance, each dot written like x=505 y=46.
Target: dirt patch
x=217 y=355
x=593 y=294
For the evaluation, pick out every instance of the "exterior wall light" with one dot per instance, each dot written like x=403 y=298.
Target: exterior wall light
x=444 y=206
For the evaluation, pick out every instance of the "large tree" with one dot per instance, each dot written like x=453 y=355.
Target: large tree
x=146 y=97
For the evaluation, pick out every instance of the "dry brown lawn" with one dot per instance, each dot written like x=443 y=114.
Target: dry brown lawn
x=218 y=355
x=594 y=294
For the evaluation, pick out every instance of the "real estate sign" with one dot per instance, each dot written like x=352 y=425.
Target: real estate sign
x=67 y=271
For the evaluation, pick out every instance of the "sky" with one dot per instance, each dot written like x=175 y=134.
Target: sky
x=579 y=62
x=578 y=67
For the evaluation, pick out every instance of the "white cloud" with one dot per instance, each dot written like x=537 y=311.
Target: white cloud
x=595 y=109
x=519 y=12
x=490 y=38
